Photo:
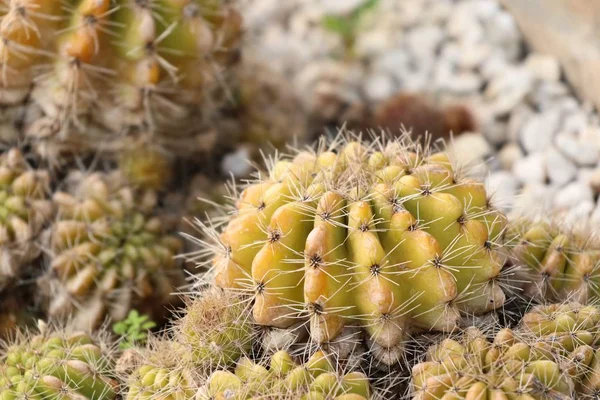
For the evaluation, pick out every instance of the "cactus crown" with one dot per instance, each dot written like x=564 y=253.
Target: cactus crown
x=383 y=235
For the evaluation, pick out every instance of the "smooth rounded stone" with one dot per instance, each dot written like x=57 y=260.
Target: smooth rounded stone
x=424 y=41
x=493 y=65
x=473 y=54
x=579 y=213
x=378 y=87
x=265 y=12
x=376 y=43
x=538 y=132
x=508 y=89
x=518 y=117
x=509 y=154
x=573 y=194
x=559 y=168
x=395 y=63
x=590 y=176
x=470 y=148
x=437 y=12
x=533 y=198
x=501 y=30
x=237 y=163
x=503 y=187
x=336 y=7
x=485 y=9
x=464 y=83
x=463 y=23
x=591 y=134
x=575 y=122
x=583 y=153
x=496 y=133
x=531 y=169
x=545 y=93
x=543 y=67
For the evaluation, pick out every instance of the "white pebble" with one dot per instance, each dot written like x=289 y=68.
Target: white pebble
x=538 y=132
x=582 y=153
x=531 y=169
x=573 y=194
x=543 y=67
x=560 y=169
x=503 y=187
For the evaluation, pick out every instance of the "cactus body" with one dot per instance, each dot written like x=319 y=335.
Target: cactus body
x=284 y=379
x=57 y=365
x=110 y=253
x=24 y=209
x=388 y=238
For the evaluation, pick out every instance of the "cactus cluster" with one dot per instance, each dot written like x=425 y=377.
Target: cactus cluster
x=387 y=236
x=109 y=252
x=112 y=66
x=56 y=364
x=24 y=210
x=555 y=263
x=552 y=354
x=316 y=379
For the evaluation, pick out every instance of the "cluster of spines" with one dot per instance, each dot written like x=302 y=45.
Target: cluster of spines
x=555 y=263
x=109 y=252
x=374 y=235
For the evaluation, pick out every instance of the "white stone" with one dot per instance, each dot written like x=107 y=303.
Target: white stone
x=394 y=63
x=463 y=24
x=464 y=83
x=579 y=213
x=424 y=41
x=583 y=153
x=590 y=176
x=337 y=7
x=573 y=194
x=543 y=67
x=473 y=54
x=503 y=187
x=518 y=117
x=538 y=132
x=470 y=148
x=378 y=87
x=533 y=198
x=508 y=89
x=575 y=122
x=559 y=168
x=493 y=65
x=237 y=163
x=531 y=169
x=509 y=155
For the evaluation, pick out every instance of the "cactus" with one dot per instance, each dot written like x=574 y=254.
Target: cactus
x=316 y=379
x=555 y=263
x=61 y=364
x=24 y=210
x=158 y=373
x=385 y=235
x=215 y=330
x=109 y=253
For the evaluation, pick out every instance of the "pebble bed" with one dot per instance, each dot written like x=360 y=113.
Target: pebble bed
x=540 y=145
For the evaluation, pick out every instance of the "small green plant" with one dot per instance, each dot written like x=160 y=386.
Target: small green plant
x=347 y=25
x=133 y=329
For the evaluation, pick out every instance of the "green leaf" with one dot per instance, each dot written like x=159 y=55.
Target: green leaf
x=335 y=24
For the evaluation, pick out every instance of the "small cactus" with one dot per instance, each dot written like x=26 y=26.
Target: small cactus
x=555 y=263
x=316 y=379
x=24 y=210
x=383 y=235
x=57 y=364
x=109 y=253
x=215 y=330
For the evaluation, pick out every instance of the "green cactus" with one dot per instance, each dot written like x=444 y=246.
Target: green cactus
x=24 y=210
x=554 y=263
x=109 y=253
x=384 y=235
x=215 y=330
x=56 y=364
x=316 y=379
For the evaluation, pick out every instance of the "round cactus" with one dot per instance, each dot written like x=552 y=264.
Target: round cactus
x=109 y=253
x=24 y=209
x=56 y=364
x=316 y=379
x=159 y=373
x=384 y=235
x=554 y=263
x=216 y=329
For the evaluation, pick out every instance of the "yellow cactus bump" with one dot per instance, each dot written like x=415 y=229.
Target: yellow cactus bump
x=385 y=236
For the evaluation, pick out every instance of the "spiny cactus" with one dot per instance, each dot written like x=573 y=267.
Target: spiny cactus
x=555 y=263
x=316 y=379
x=384 y=235
x=108 y=253
x=103 y=65
x=24 y=209
x=56 y=364
x=159 y=373
x=216 y=329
